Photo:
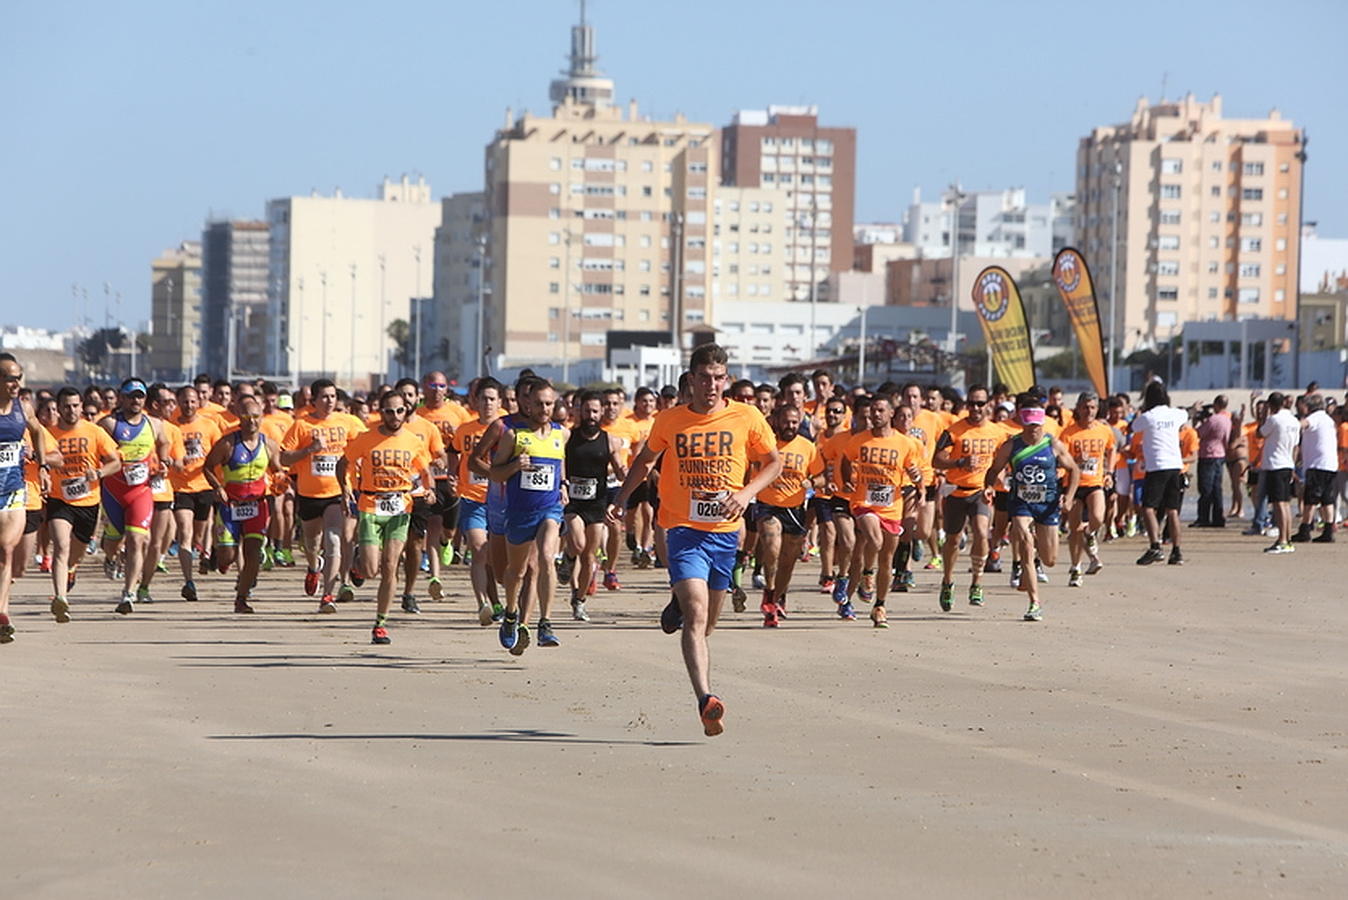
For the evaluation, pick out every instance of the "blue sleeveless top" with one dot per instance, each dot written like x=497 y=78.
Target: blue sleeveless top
x=12 y=428
x=541 y=486
x=1034 y=471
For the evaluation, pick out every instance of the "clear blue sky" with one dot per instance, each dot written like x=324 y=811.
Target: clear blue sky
x=127 y=124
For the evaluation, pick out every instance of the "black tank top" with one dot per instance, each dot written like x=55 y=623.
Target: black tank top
x=587 y=458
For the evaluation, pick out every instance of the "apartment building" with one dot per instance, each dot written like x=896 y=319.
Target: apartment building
x=234 y=306
x=176 y=313
x=1208 y=212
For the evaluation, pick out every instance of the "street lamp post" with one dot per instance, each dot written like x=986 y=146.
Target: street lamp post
x=861 y=351
x=323 y=280
x=957 y=197
x=1301 y=240
x=351 y=360
x=566 y=308
x=1114 y=272
x=417 y=307
x=383 y=324
x=481 y=298
x=676 y=294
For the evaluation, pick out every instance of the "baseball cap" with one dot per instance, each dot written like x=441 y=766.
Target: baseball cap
x=285 y=401
x=132 y=385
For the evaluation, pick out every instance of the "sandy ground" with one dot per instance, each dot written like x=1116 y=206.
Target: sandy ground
x=1174 y=732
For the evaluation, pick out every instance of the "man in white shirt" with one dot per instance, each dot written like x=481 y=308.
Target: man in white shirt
x=1281 y=433
x=1159 y=424
x=1320 y=459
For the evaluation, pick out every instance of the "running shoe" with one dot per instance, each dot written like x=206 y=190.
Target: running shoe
x=933 y=564
x=435 y=589
x=497 y=612
x=577 y=612
x=509 y=631
x=611 y=581
x=204 y=563
x=840 y=591
x=897 y=584
x=1033 y=614
x=70 y=580
x=711 y=710
x=189 y=591
x=738 y=599
x=379 y=635
x=447 y=554
x=545 y=636
x=109 y=568
x=947 y=597
x=759 y=583
x=521 y=641
x=268 y=559
x=1176 y=557
x=769 y=609
x=1092 y=548
x=126 y=607
x=643 y=560
x=311 y=583
x=909 y=580
x=285 y=558
x=1280 y=548
x=826 y=585
x=780 y=600
x=917 y=551
x=994 y=563
x=6 y=630
x=1015 y=573
x=975 y=595
x=867 y=589
x=241 y=606
x=143 y=595
x=1131 y=530
x=410 y=604
x=1074 y=578
x=1039 y=574
x=60 y=609
x=45 y=565
x=358 y=577
x=1302 y=536
x=1326 y=536
x=845 y=610
x=1095 y=566
x=159 y=567
x=1153 y=555
x=878 y=617
x=671 y=617
x=326 y=606
x=345 y=594
x=484 y=614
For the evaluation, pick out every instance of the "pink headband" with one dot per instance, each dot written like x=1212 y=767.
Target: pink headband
x=1031 y=415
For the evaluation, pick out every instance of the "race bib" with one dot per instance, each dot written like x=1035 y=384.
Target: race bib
x=879 y=495
x=243 y=510
x=157 y=483
x=134 y=473
x=439 y=471
x=75 y=488
x=584 y=488
x=705 y=506
x=1090 y=465
x=192 y=448
x=324 y=466
x=11 y=454
x=1032 y=493
x=541 y=479
x=475 y=478
x=390 y=504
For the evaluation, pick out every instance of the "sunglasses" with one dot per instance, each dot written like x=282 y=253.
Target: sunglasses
x=437 y=384
x=11 y=378
x=393 y=412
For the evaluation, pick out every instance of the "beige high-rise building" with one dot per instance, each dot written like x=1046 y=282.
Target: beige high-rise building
x=599 y=220
x=342 y=270
x=452 y=319
x=1208 y=213
x=175 y=313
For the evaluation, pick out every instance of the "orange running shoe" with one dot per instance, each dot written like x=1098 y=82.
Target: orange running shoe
x=712 y=710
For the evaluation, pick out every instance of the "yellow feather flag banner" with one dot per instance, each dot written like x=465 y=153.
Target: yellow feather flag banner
x=1078 y=295
x=997 y=300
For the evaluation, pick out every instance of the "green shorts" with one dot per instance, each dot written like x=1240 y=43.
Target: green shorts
x=372 y=530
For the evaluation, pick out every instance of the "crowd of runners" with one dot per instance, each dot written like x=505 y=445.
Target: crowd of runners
x=538 y=493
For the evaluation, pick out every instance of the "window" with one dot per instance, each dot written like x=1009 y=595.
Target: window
x=645 y=215
x=1254 y=168
x=1284 y=167
x=647 y=166
x=697 y=168
x=1212 y=268
x=1282 y=193
x=644 y=240
x=1282 y=218
x=1167 y=293
x=1249 y=270
x=697 y=193
x=599 y=240
x=1252 y=194
x=1212 y=293
x=554 y=238
x=1252 y=218
x=554 y=262
x=644 y=315
x=1170 y=217
x=554 y=213
x=554 y=188
x=1170 y=191
x=1279 y=295
x=554 y=287
x=698 y=217
x=552 y=337
x=1280 y=244
x=1216 y=190
x=1280 y=269
x=1169 y=242
x=1251 y=245
x=1214 y=216
x=1214 y=243
x=644 y=265
x=1171 y=166
x=1248 y=295
x=1168 y=267
x=555 y=164
x=644 y=290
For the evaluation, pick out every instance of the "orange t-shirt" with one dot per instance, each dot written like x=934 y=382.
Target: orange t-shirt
x=1254 y=443
x=926 y=430
x=316 y=474
x=707 y=458
x=199 y=436
x=830 y=452
x=979 y=444
x=447 y=417
x=1089 y=445
x=1188 y=441
x=472 y=486
x=879 y=470
x=82 y=448
x=430 y=436
x=384 y=468
x=161 y=484
x=800 y=460
x=628 y=435
x=1343 y=446
x=32 y=478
